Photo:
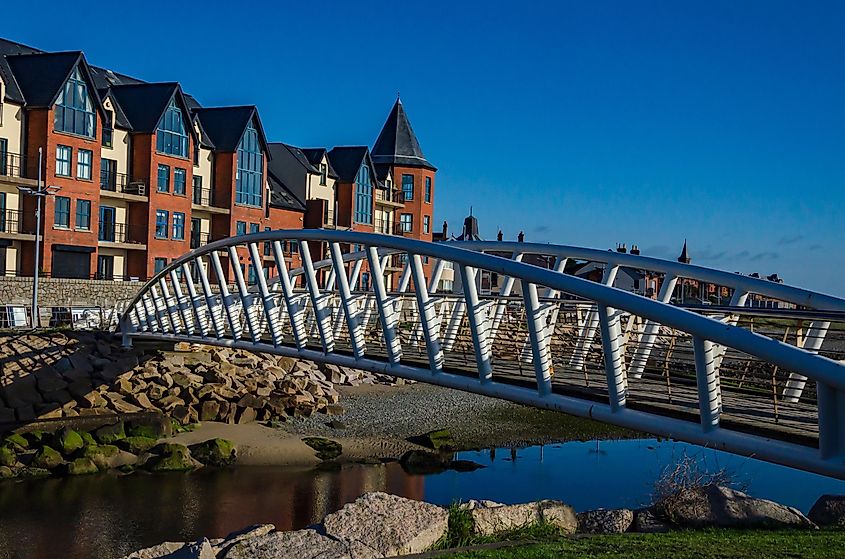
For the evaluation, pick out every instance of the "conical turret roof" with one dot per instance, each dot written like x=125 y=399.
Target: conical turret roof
x=397 y=144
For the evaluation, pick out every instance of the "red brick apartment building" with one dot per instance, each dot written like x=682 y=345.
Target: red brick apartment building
x=145 y=173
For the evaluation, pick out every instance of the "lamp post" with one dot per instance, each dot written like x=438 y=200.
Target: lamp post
x=40 y=192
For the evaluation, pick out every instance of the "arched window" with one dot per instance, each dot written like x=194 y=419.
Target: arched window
x=171 y=137
x=74 y=108
x=364 y=196
x=248 y=187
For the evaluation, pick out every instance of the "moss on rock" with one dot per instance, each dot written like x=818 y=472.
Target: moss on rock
x=101 y=455
x=69 y=441
x=48 y=458
x=136 y=445
x=82 y=466
x=109 y=434
x=326 y=449
x=439 y=439
x=6 y=472
x=87 y=439
x=170 y=457
x=16 y=441
x=215 y=452
x=33 y=472
x=8 y=457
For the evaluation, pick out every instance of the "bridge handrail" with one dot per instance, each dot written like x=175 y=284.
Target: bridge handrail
x=789 y=357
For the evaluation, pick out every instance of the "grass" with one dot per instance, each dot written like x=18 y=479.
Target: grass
x=460 y=532
x=710 y=544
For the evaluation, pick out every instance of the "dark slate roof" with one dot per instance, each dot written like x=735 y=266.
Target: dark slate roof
x=121 y=120
x=282 y=197
x=144 y=103
x=225 y=125
x=347 y=160
x=289 y=167
x=13 y=92
x=205 y=138
x=397 y=144
x=315 y=157
x=40 y=77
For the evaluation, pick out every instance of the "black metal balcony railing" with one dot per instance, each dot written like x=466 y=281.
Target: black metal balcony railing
x=11 y=221
x=390 y=195
x=121 y=182
x=329 y=219
x=120 y=233
x=199 y=239
x=203 y=196
x=386 y=227
x=13 y=165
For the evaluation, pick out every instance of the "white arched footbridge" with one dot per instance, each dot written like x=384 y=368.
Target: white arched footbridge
x=756 y=382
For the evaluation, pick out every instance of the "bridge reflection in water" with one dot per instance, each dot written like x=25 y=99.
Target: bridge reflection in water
x=110 y=516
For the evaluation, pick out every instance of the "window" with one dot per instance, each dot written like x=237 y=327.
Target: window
x=83 y=164
x=171 y=137
x=163 y=184
x=108 y=137
x=251 y=277
x=408 y=186
x=324 y=172
x=74 y=109
x=294 y=246
x=364 y=196
x=249 y=179
x=196 y=155
x=4 y=144
x=159 y=265
x=178 y=226
x=83 y=214
x=428 y=190
x=240 y=228
x=105 y=267
x=179 y=181
x=267 y=244
x=407 y=222
x=62 y=214
x=63 y=155
x=161 y=224
x=108 y=174
x=426 y=224
x=253 y=228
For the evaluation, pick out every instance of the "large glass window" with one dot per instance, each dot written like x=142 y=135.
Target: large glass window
x=249 y=179
x=63 y=155
x=83 y=214
x=74 y=109
x=179 y=181
x=364 y=196
x=428 y=190
x=171 y=137
x=159 y=264
x=83 y=164
x=178 y=226
x=62 y=213
x=408 y=186
x=163 y=183
x=240 y=228
x=406 y=221
x=426 y=224
x=161 y=224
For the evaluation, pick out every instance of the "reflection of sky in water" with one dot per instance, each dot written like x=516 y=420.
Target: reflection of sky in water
x=613 y=474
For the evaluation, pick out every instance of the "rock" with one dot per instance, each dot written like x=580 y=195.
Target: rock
x=718 y=506
x=647 y=522
x=156 y=551
x=439 y=439
x=154 y=430
x=8 y=456
x=247 y=415
x=6 y=472
x=337 y=424
x=69 y=441
x=82 y=466
x=107 y=456
x=559 y=515
x=388 y=524
x=110 y=433
x=198 y=550
x=33 y=473
x=828 y=510
x=494 y=520
x=47 y=458
x=172 y=458
x=250 y=532
x=209 y=410
x=87 y=438
x=136 y=445
x=16 y=441
x=300 y=544
x=605 y=521
x=214 y=452
x=326 y=449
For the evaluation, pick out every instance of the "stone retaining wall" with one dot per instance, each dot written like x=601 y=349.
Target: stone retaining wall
x=59 y=292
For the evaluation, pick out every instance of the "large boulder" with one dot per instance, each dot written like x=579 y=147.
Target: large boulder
x=69 y=441
x=214 y=452
x=155 y=552
x=300 y=544
x=647 y=522
x=723 y=507
x=107 y=456
x=82 y=466
x=388 y=524
x=109 y=434
x=7 y=456
x=491 y=518
x=250 y=532
x=829 y=510
x=47 y=458
x=170 y=457
x=605 y=521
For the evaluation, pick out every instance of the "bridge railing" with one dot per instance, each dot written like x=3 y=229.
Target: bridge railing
x=546 y=338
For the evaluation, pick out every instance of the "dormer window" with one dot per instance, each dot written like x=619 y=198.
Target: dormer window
x=324 y=172
x=171 y=137
x=248 y=182
x=74 y=109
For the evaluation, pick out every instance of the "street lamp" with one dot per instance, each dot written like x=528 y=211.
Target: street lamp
x=40 y=193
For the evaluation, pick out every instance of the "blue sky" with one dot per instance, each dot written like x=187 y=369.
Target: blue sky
x=584 y=123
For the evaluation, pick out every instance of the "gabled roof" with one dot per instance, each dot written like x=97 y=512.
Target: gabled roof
x=13 y=92
x=347 y=160
x=282 y=197
x=120 y=118
x=226 y=125
x=145 y=103
x=315 y=157
x=40 y=77
x=397 y=144
x=289 y=167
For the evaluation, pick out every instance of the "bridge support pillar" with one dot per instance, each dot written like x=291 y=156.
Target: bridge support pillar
x=614 y=360
x=831 y=421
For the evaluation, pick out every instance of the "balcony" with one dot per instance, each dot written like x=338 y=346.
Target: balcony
x=130 y=236
x=12 y=226
x=13 y=166
x=203 y=200
x=396 y=262
x=199 y=239
x=386 y=227
x=390 y=197
x=120 y=185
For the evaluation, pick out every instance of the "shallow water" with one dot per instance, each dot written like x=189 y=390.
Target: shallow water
x=108 y=516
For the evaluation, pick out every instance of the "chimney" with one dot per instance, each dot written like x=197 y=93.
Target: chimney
x=499 y=236
x=621 y=248
x=445 y=230
x=635 y=250
x=521 y=237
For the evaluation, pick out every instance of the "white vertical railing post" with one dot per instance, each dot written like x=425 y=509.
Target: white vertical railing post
x=811 y=342
x=427 y=316
x=225 y=296
x=202 y=322
x=477 y=323
x=322 y=316
x=614 y=360
x=386 y=310
x=707 y=380
x=181 y=303
x=650 y=331
x=539 y=343
x=275 y=331
x=591 y=322
x=356 y=337
x=294 y=309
